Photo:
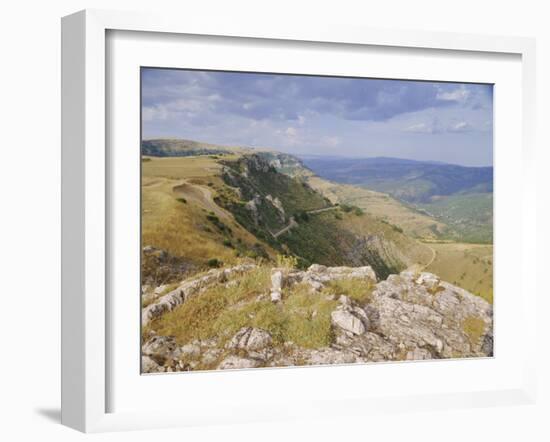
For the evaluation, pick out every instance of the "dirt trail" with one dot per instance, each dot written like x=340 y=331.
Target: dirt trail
x=200 y=195
x=291 y=224
x=434 y=254
x=324 y=209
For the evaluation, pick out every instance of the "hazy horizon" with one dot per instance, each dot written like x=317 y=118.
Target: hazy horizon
x=322 y=116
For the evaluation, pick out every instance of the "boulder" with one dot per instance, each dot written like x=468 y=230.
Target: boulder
x=236 y=362
x=276 y=285
x=348 y=321
x=159 y=345
x=252 y=339
x=148 y=365
x=190 y=350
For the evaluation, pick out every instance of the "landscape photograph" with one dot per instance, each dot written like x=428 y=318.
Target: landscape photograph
x=302 y=220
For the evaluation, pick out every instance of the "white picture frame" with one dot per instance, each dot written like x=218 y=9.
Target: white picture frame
x=85 y=201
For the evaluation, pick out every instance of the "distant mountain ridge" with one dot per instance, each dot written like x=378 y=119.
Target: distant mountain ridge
x=408 y=180
x=176 y=147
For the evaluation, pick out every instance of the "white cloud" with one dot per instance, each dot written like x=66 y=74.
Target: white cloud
x=461 y=126
x=331 y=141
x=460 y=95
x=291 y=132
x=427 y=127
x=153 y=113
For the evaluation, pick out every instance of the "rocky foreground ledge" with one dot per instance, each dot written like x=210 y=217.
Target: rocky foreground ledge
x=409 y=316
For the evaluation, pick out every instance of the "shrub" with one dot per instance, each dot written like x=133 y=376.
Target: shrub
x=287 y=261
x=214 y=263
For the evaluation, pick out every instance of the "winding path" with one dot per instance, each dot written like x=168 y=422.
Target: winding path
x=292 y=223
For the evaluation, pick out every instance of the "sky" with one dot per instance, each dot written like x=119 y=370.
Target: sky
x=313 y=115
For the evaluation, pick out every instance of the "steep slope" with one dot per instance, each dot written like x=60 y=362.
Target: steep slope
x=266 y=202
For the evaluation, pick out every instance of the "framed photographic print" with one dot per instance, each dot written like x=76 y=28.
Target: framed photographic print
x=250 y=213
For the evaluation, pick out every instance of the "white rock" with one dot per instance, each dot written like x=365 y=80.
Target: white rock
x=235 y=362
x=317 y=268
x=148 y=365
x=276 y=296
x=428 y=280
x=258 y=339
x=251 y=339
x=418 y=354
x=348 y=322
x=277 y=280
x=159 y=345
x=210 y=356
x=190 y=350
x=344 y=300
x=160 y=289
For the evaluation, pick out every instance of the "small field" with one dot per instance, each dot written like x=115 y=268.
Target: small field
x=381 y=206
x=469 y=215
x=198 y=167
x=469 y=266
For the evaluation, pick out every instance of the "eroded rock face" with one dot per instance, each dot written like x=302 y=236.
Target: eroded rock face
x=437 y=316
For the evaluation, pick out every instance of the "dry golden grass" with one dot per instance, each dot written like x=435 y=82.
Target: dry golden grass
x=302 y=317
x=178 y=228
x=474 y=327
x=358 y=289
x=181 y=167
x=469 y=266
x=177 y=201
x=209 y=314
x=308 y=317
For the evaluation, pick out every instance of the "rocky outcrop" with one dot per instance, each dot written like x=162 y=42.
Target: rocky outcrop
x=248 y=338
x=423 y=312
x=252 y=206
x=408 y=316
x=350 y=318
x=276 y=202
x=188 y=289
x=316 y=276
